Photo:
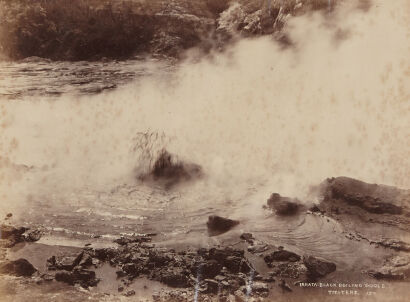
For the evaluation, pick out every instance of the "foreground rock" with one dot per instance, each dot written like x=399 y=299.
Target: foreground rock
x=283 y=206
x=20 y=268
x=282 y=255
x=64 y=262
x=85 y=278
x=10 y=235
x=213 y=271
x=218 y=225
x=287 y=264
x=317 y=267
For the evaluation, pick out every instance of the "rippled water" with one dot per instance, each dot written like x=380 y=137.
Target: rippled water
x=40 y=77
x=177 y=216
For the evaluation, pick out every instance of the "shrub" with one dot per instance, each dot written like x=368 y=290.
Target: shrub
x=76 y=29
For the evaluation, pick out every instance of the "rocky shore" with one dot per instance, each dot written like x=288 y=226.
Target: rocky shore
x=245 y=268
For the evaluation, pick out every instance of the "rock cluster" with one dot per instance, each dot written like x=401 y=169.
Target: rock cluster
x=287 y=264
x=73 y=269
x=213 y=269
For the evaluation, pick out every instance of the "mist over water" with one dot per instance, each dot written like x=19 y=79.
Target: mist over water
x=336 y=103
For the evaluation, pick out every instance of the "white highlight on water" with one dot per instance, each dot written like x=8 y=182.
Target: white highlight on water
x=198 y=278
x=249 y=284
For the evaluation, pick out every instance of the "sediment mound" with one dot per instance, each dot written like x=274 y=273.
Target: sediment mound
x=376 y=213
x=344 y=196
x=170 y=171
x=373 y=198
x=284 y=206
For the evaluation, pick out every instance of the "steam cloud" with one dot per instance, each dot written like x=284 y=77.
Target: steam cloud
x=336 y=103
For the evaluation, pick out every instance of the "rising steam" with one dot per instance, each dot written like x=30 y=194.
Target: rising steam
x=335 y=103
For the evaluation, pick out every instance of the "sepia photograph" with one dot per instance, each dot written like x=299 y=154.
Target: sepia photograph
x=204 y=150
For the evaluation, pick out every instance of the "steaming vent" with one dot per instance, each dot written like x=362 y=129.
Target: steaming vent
x=168 y=170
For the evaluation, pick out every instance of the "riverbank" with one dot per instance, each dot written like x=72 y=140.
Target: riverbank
x=91 y=30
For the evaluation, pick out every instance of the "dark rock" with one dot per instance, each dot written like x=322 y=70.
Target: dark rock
x=64 y=263
x=8 y=231
x=47 y=277
x=220 y=278
x=284 y=286
x=237 y=264
x=68 y=263
x=248 y=237
x=133 y=239
x=211 y=286
x=66 y=277
x=240 y=295
x=83 y=277
x=130 y=293
x=86 y=260
x=104 y=254
x=288 y=269
x=159 y=259
x=175 y=277
x=394 y=244
x=120 y=273
x=9 y=215
x=20 y=267
x=269 y=279
x=260 y=288
x=220 y=254
x=32 y=236
x=209 y=269
x=284 y=206
x=282 y=255
x=314 y=209
x=258 y=248
x=317 y=267
x=120 y=289
x=11 y=235
x=131 y=269
x=234 y=281
x=218 y=225
x=51 y=263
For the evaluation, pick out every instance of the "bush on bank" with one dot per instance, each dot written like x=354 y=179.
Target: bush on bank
x=73 y=30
